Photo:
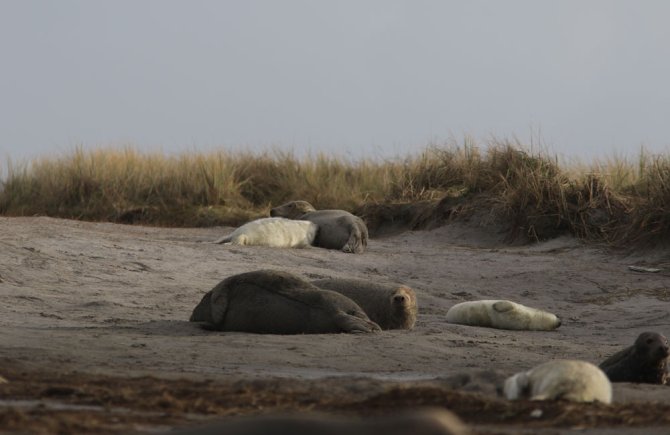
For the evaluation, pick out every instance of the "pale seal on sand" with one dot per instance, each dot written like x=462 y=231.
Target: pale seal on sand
x=421 y=422
x=576 y=381
x=274 y=232
x=391 y=306
x=338 y=229
x=502 y=314
x=275 y=302
x=646 y=361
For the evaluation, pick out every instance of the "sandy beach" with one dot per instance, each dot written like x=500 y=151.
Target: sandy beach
x=85 y=304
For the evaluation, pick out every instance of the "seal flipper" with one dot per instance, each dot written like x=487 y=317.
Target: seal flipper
x=224 y=239
x=218 y=305
x=356 y=325
x=353 y=245
x=517 y=386
x=503 y=306
x=358 y=240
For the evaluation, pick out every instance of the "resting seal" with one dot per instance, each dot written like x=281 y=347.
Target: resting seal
x=274 y=302
x=646 y=361
x=391 y=306
x=338 y=229
x=274 y=232
x=502 y=314
x=423 y=422
x=577 y=381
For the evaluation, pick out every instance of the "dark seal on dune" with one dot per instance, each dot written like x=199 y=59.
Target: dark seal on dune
x=391 y=306
x=338 y=229
x=646 y=361
x=275 y=302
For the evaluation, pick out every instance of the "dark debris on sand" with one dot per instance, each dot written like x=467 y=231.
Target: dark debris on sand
x=39 y=402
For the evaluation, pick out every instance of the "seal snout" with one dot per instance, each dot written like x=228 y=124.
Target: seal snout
x=559 y=322
x=399 y=299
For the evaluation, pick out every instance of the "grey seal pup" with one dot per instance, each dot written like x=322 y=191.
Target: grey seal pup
x=576 y=381
x=502 y=314
x=391 y=306
x=646 y=361
x=274 y=232
x=276 y=302
x=338 y=229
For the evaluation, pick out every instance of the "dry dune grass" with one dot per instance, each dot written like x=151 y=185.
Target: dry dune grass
x=529 y=194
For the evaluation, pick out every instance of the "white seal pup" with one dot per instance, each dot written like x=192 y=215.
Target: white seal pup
x=502 y=314
x=338 y=229
x=391 y=306
x=275 y=302
x=576 y=381
x=274 y=232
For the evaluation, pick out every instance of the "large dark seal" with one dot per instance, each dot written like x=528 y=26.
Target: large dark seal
x=391 y=306
x=646 y=361
x=421 y=422
x=274 y=302
x=338 y=229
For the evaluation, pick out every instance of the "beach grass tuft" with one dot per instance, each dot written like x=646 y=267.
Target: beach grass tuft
x=530 y=194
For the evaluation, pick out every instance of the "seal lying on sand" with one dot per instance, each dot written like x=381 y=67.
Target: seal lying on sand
x=274 y=232
x=646 y=361
x=577 y=381
x=391 y=306
x=423 y=422
x=338 y=229
x=502 y=314
x=274 y=302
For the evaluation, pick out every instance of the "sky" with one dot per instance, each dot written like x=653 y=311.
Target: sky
x=360 y=79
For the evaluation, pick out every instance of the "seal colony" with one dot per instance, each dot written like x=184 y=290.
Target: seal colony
x=274 y=232
x=337 y=229
x=502 y=314
x=576 y=381
x=646 y=361
x=275 y=302
x=391 y=306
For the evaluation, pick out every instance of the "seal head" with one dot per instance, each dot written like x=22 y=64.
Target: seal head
x=646 y=361
x=391 y=306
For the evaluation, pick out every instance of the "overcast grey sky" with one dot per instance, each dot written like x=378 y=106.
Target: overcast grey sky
x=360 y=78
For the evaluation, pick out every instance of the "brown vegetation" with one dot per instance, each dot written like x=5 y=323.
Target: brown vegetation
x=82 y=403
x=530 y=194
